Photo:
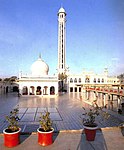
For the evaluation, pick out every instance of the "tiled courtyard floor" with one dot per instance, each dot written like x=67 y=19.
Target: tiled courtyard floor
x=65 y=111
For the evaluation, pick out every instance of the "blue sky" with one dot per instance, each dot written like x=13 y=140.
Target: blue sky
x=94 y=40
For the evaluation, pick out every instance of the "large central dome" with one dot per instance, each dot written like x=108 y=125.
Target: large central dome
x=39 y=68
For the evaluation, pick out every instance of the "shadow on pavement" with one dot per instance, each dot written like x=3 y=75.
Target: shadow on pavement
x=24 y=137
x=98 y=144
x=55 y=135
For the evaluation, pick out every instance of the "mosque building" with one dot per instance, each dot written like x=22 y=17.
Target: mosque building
x=76 y=82
x=40 y=83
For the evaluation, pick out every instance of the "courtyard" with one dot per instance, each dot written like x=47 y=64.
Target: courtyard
x=65 y=111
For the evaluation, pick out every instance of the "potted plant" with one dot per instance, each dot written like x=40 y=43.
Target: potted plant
x=45 y=131
x=12 y=132
x=89 y=120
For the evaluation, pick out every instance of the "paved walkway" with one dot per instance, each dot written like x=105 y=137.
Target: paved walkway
x=106 y=139
x=65 y=112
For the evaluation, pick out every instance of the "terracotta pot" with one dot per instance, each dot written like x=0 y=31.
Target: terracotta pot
x=11 y=139
x=45 y=138
x=90 y=133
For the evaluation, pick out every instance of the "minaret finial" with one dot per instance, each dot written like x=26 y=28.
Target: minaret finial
x=61 y=5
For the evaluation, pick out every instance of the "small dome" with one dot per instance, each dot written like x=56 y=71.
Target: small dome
x=61 y=10
x=39 y=68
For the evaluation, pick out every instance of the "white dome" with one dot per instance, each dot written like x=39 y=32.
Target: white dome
x=62 y=10
x=39 y=68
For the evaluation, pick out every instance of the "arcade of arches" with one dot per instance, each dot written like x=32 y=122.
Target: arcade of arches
x=32 y=90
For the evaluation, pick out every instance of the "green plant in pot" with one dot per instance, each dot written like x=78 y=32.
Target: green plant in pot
x=89 y=120
x=12 y=132
x=45 y=131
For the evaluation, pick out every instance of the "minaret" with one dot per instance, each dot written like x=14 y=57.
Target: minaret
x=61 y=41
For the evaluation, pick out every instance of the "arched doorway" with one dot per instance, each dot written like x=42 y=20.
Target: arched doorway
x=38 y=91
x=71 y=89
x=15 y=89
x=45 y=90
x=52 y=90
x=31 y=90
x=25 y=90
x=79 y=89
x=7 y=89
x=75 y=89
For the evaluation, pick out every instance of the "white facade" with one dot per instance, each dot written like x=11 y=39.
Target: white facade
x=61 y=41
x=39 y=82
x=38 y=85
x=78 y=82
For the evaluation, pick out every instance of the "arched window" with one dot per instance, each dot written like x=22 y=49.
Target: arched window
x=75 y=80
x=79 y=80
x=102 y=80
x=98 y=80
x=87 y=80
x=94 y=80
x=71 y=80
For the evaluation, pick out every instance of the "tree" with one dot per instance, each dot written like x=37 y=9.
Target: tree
x=7 y=79
x=121 y=76
x=62 y=77
x=13 y=78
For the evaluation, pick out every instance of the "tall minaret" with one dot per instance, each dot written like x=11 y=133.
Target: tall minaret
x=61 y=41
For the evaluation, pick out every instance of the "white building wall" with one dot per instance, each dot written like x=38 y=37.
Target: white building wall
x=99 y=80
x=46 y=82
